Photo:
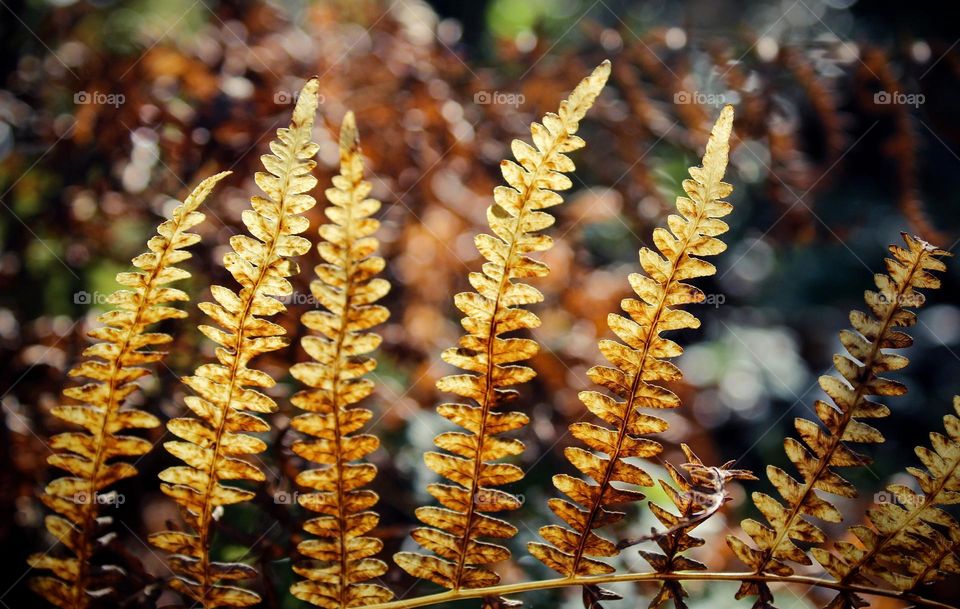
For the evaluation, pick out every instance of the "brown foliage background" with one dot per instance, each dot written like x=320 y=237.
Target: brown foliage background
x=826 y=176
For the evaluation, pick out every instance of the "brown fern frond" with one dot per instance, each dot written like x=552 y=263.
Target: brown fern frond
x=822 y=101
x=219 y=432
x=902 y=146
x=698 y=492
x=639 y=364
x=491 y=362
x=113 y=364
x=341 y=559
x=908 y=539
x=868 y=344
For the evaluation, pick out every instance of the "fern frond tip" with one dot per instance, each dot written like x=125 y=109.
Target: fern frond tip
x=583 y=96
x=305 y=110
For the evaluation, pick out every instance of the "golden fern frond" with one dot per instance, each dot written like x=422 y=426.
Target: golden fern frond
x=908 y=270
x=908 y=539
x=492 y=362
x=218 y=433
x=639 y=365
x=341 y=560
x=113 y=365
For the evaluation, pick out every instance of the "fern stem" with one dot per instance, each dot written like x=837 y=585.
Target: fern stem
x=336 y=407
x=835 y=440
x=565 y=582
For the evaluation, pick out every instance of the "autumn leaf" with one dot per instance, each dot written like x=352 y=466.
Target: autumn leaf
x=340 y=559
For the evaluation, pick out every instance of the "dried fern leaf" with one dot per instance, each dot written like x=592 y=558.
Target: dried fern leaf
x=640 y=366
x=341 y=557
x=93 y=456
x=492 y=363
x=217 y=437
x=697 y=491
x=824 y=445
x=908 y=539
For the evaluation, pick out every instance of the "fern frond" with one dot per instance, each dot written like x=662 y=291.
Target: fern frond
x=868 y=344
x=492 y=363
x=218 y=433
x=342 y=558
x=908 y=539
x=113 y=364
x=697 y=491
x=640 y=366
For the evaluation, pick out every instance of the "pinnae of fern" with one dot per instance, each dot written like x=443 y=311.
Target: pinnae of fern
x=113 y=364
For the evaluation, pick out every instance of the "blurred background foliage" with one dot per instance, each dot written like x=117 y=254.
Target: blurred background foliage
x=109 y=110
